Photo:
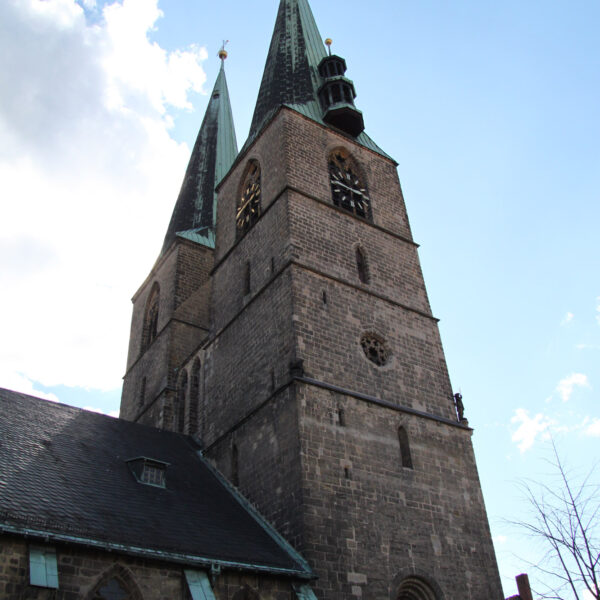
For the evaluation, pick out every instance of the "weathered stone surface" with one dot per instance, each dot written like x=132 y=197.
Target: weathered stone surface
x=81 y=570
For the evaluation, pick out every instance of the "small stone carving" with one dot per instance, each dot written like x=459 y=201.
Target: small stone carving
x=460 y=408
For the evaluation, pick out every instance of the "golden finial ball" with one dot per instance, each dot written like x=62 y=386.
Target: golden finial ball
x=328 y=42
x=222 y=54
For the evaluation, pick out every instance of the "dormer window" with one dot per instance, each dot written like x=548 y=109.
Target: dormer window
x=149 y=471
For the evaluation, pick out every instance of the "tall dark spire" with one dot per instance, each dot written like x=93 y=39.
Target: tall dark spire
x=291 y=72
x=213 y=154
x=291 y=77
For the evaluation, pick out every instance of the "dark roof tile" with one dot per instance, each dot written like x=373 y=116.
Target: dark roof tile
x=63 y=470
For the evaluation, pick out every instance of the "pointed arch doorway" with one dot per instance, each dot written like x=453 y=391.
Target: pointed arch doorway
x=414 y=588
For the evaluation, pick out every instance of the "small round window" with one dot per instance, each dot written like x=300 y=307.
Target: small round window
x=375 y=349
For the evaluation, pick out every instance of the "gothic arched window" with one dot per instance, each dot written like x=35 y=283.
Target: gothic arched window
x=116 y=584
x=348 y=189
x=362 y=266
x=405 y=456
x=181 y=401
x=142 y=395
x=194 y=401
x=150 y=328
x=113 y=589
x=248 y=208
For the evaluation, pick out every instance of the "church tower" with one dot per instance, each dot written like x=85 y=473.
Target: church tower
x=317 y=381
x=171 y=308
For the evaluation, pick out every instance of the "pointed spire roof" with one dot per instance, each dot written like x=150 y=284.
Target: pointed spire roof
x=291 y=76
x=213 y=154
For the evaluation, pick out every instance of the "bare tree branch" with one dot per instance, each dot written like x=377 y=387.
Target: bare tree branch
x=565 y=517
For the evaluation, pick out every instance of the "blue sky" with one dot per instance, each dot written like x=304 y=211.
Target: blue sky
x=490 y=109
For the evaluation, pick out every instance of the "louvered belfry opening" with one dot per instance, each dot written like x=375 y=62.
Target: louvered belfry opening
x=337 y=94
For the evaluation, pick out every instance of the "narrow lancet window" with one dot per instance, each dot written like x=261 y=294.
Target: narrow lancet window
x=194 y=400
x=361 y=265
x=405 y=456
x=142 y=396
x=150 y=328
x=181 y=402
x=247 y=278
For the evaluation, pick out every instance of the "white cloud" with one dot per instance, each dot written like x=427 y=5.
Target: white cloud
x=529 y=428
x=587 y=347
x=566 y=386
x=13 y=380
x=592 y=429
x=111 y=413
x=567 y=318
x=500 y=539
x=88 y=178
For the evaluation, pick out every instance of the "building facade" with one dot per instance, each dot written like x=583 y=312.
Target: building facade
x=286 y=326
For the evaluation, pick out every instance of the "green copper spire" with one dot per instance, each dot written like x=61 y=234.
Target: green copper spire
x=291 y=72
x=213 y=154
x=291 y=77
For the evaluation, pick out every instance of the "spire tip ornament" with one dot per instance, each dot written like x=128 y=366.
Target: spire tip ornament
x=328 y=42
x=222 y=54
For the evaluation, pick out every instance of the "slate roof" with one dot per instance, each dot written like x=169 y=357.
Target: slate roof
x=64 y=475
x=213 y=154
x=291 y=77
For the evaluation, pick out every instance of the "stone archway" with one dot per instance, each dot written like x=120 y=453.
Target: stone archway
x=117 y=583
x=415 y=588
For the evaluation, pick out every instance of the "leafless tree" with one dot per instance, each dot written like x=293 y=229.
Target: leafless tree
x=565 y=521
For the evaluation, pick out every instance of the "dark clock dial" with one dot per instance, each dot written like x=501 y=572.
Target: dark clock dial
x=249 y=206
x=346 y=187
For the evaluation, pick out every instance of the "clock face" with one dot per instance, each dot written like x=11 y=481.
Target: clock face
x=347 y=189
x=249 y=206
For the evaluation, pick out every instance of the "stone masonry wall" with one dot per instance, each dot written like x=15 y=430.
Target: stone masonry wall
x=328 y=338
x=369 y=521
x=268 y=150
x=362 y=520
x=81 y=569
x=182 y=276
x=307 y=148
x=269 y=468
x=249 y=359
x=325 y=238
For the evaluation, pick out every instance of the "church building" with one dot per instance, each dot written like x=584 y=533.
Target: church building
x=288 y=428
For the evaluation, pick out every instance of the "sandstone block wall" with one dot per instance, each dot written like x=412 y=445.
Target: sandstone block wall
x=369 y=521
x=80 y=570
x=344 y=499
x=149 y=386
